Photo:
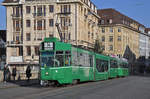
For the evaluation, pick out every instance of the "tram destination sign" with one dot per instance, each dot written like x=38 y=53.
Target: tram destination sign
x=48 y=46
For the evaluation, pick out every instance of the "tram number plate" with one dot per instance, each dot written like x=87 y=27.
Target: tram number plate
x=49 y=46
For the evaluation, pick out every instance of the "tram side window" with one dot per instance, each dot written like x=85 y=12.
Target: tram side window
x=113 y=64
x=121 y=65
x=83 y=59
x=106 y=66
x=59 y=59
x=125 y=65
x=67 y=58
x=74 y=58
x=47 y=61
x=101 y=65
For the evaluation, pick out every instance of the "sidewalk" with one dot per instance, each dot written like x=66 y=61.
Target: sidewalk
x=13 y=84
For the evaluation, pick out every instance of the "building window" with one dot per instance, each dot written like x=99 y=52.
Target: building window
x=36 y=49
x=103 y=38
x=34 y=24
x=65 y=8
x=111 y=47
x=28 y=9
x=92 y=35
x=103 y=30
x=44 y=24
x=65 y=22
x=27 y=23
x=17 y=12
x=39 y=25
x=28 y=37
x=119 y=29
x=110 y=38
x=39 y=36
x=39 y=11
x=51 y=22
x=119 y=38
x=44 y=10
x=17 y=39
x=102 y=21
x=88 y=34
x=110 y=21
x=69 y=36
x=111 y=29
x=17 y=25
x=103 y=47
x=34 y=10
x=51 y=8
x=28 y=48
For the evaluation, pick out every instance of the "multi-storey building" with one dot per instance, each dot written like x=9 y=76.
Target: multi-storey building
x=2 y=48
x=120 y=34
x=147 y=31
x=142 y=42
x=30 y=21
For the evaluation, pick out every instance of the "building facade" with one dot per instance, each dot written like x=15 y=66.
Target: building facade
x=147 y=31
x=120 y=35
x=142 y=42
x=2 y=48
x=30 y=21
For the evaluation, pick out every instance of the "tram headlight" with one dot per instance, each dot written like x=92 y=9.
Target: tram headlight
x=46 y=73
x=56 y=71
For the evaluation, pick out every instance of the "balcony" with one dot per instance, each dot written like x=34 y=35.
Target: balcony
x=16 y=60
x=39 y=14
x=16 y=16
x=14 y=43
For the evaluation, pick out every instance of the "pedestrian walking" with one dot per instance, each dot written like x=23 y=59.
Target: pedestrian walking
x=14 y=70
x=28 y=72
x=6 y=73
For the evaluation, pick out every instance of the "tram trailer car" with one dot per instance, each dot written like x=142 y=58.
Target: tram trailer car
x=65 y=64
x=113 y=71
x=123 y=69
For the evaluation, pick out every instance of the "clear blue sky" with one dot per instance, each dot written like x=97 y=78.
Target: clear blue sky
x=139 y=10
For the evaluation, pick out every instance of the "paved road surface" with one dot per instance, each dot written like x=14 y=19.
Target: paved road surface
x=133 y=87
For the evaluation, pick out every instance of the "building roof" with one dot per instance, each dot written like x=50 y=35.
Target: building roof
x=10 y=1
x=147 y=30
x=116 y=15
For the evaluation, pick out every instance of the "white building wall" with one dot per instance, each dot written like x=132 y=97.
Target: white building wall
x=147 y=47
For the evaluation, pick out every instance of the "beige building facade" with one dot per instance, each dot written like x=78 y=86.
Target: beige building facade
x=30 y=21
x=117 y=38
x=119 y=34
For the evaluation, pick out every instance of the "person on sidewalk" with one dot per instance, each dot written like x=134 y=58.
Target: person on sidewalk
x=28 y=72
x=14 y=70
x=6 y=73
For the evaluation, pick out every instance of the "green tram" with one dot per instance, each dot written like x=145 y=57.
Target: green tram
x=62 y=63
x=123 y=68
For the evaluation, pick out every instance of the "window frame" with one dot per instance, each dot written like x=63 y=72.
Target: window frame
x=28 y=9
x=51 y=8
x=28 y=23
